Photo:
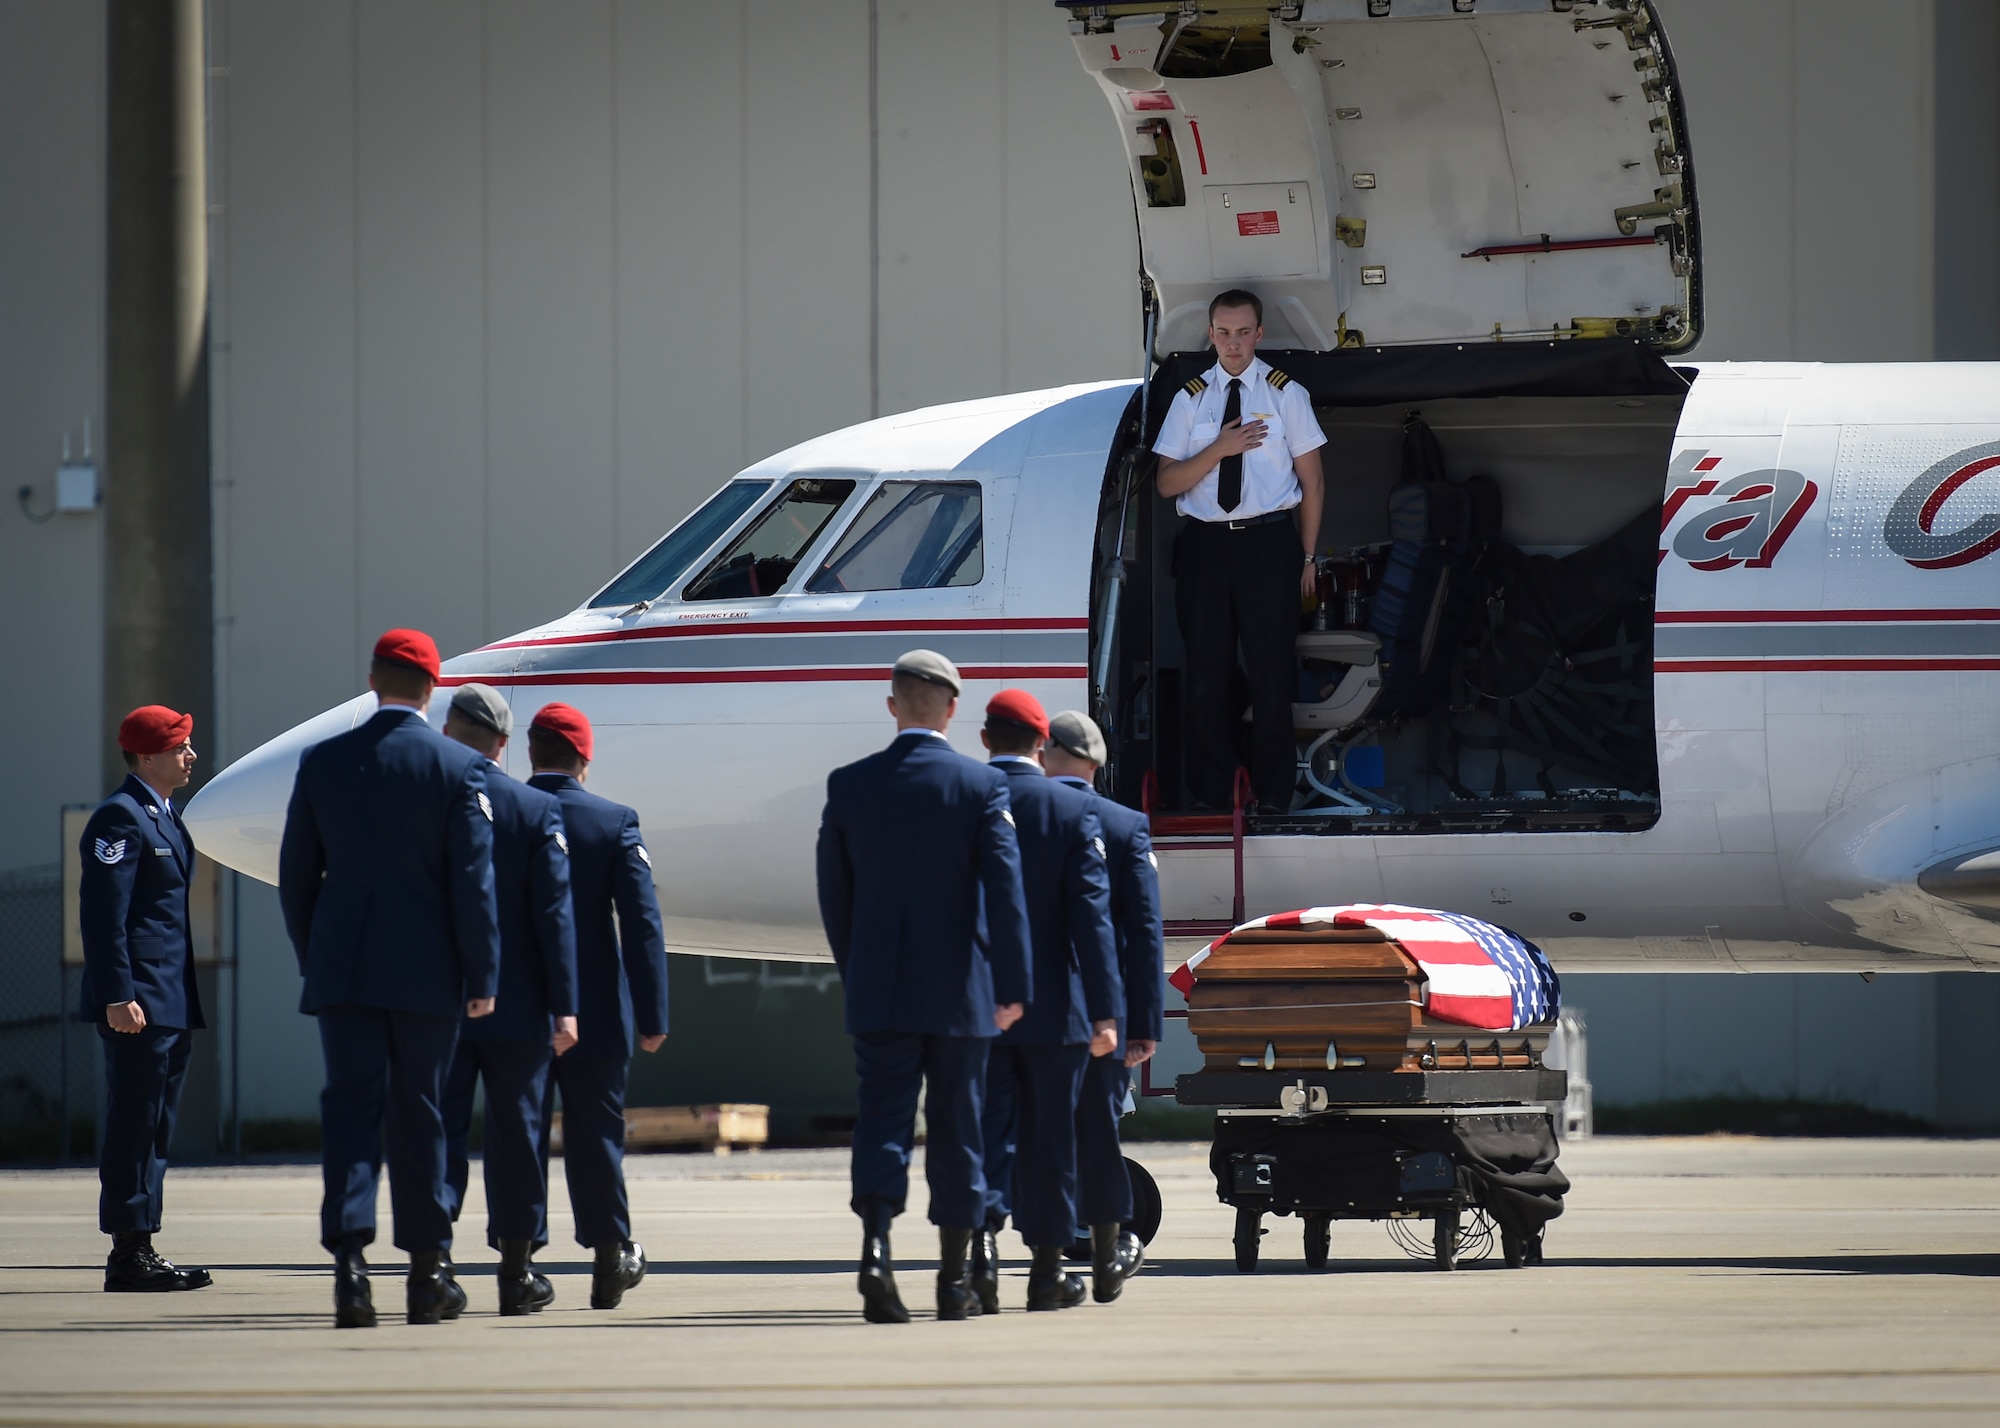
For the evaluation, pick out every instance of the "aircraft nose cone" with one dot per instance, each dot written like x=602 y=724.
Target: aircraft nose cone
x=238 y=818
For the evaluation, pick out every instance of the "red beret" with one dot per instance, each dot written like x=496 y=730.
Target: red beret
x=1021 y=707
x=154 y=729
x=411 y=647
x=568 y=721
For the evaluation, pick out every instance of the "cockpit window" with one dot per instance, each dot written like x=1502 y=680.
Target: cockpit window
x=661 y=566
x=912 y=535
x=762 y=559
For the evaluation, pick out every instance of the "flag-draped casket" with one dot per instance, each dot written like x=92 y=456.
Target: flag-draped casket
x=1371 y=986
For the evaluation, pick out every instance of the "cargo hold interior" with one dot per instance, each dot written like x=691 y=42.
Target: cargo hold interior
x=1479 y=654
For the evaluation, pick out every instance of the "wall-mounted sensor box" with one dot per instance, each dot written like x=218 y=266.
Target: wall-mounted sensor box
x=76 y=486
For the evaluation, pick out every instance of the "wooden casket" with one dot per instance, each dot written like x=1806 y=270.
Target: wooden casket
x=1324 y=998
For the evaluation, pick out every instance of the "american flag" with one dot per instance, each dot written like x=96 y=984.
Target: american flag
x=1477 y=974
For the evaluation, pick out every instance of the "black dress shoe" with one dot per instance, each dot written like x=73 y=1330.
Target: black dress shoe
x=986 y=1269
x=1115 y=1256
x=1049 y=1285
x=431 y=1295
x=618 y=1268
x=880 y=1303
x=955 y=1296
x=353 y=1303
x=135 y=1267
x=528 y=1293
x=523 y=1288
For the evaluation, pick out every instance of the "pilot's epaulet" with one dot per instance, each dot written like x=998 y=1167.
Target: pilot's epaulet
x=1277 y=379
x=1195 y=386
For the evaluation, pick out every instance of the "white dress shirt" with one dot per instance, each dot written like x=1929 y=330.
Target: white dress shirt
x=1269 y=483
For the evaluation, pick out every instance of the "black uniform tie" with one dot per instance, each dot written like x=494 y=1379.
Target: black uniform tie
x=1229 y=488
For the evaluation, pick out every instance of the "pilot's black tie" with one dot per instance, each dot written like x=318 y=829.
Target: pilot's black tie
x=1229 y=489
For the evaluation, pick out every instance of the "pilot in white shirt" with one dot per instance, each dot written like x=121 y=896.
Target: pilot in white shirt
x=1239 y=456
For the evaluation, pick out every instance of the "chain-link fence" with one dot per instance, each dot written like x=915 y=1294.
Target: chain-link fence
x=35 y=1094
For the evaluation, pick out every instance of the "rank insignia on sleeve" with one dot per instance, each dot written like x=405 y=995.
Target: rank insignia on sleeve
x=486 y=807
x=1277 y=379
x=562 y=842
x=1008 y=814
x=1154 y=859
x=110 y=854
x=1195 y=386
x=644 y=856
x=1098 y=844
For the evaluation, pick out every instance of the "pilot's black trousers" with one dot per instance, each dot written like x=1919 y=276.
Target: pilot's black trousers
x=1239 y=589
x=143 y=1072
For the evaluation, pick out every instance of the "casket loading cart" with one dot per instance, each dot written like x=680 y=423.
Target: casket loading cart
x=1339 y=1097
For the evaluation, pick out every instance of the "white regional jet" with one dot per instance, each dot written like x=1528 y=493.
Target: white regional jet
x=1662 y=666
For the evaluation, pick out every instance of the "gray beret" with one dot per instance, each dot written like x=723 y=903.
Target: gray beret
x=931 y=667
x=483 y=704
x=1078 y=734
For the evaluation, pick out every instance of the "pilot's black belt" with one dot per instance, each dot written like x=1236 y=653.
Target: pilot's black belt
x=1268 y=518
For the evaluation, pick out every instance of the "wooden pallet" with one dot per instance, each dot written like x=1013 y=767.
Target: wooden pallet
x=718 y=1128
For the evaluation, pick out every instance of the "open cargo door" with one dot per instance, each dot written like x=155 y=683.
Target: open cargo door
x=1391 y=172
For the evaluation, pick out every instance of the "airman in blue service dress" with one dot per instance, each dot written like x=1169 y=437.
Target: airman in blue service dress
x=1104 y=1189
x=534 y=1015
x=621 y=979
x=920 y=894
x=385 y=875
x=139 y=987
x=1037 y=1066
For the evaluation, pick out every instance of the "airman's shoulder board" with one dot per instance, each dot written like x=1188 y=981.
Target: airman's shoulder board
x=1277 y=379
x=1195 y=386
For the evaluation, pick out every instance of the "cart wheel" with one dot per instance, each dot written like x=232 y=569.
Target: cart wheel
x=1444 y=1239
x=1319 y=1238
x=1146 y=1204
x=1249 y=1229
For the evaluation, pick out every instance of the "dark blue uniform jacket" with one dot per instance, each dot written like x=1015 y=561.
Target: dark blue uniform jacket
x=133 y=909
x=537 y=934
x=621 y=976
x=1069 y=910
x=386 y=871
x=920 y=891
x=1135 y=914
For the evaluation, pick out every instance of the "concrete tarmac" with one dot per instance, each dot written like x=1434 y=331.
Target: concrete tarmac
x=1723 y=1280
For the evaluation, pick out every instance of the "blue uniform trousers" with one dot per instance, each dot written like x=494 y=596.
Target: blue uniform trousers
x=143 y=1072
x=890 y=1066
x=593 y=1122
x=384 y=1082
x=516 y=1074
x=1030 y=1134
x=1104 y=1190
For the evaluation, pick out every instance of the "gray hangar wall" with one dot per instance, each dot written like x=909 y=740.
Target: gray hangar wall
x=503 y=287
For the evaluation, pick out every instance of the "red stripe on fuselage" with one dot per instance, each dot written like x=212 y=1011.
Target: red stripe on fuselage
x=757 y=676
x=795 y=627
x=1818 y=617
x=1760 y=665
